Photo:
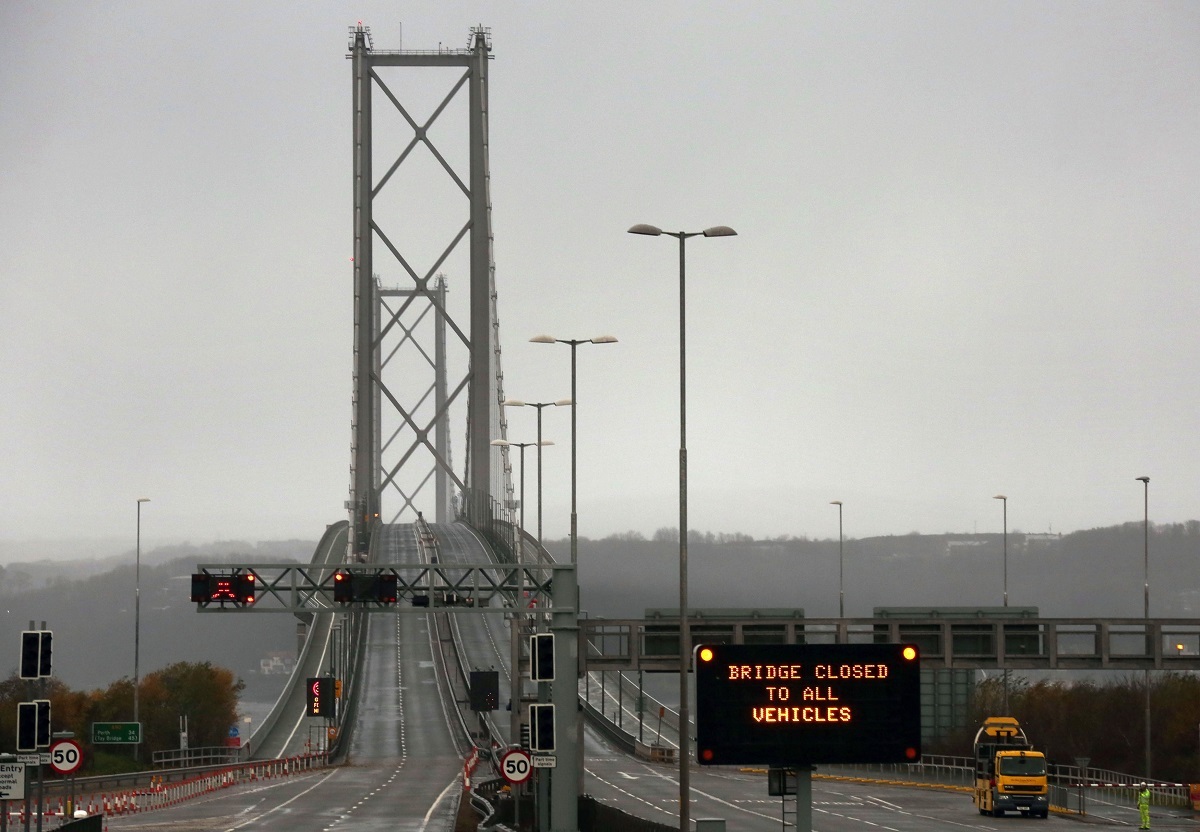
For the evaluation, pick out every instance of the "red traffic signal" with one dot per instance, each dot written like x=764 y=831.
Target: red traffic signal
x=350 y=587
x=223 y=589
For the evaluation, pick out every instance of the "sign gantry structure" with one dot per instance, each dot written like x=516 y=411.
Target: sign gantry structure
x=409 y=588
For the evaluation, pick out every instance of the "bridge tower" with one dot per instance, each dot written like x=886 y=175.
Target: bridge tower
x=410 y=339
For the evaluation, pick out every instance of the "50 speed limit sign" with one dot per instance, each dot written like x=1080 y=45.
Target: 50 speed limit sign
x=65 y=756
x=516 y=766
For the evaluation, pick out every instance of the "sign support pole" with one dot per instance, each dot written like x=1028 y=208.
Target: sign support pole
x=41 y=797
x=564 y=623
x=804 y=799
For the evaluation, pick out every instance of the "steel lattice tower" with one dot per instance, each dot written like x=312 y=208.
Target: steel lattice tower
x=400 y=432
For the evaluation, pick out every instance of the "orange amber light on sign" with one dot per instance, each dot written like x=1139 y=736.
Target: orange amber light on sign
x=706 y=654
x=910 y=653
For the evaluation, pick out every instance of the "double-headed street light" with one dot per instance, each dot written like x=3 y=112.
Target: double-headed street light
x=841 y=563
x=685 y=640
x=539 y=406
x=573 y=343
x=515 y=632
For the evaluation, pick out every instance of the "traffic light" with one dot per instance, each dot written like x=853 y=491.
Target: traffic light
x=350 y=586
x=223 y=589
x=320 y=697
x=33 y=725
x=485 y=690
x=541 y=657
x=26 y=726
x=541 y=727
x=46 y=640
x=35 y=653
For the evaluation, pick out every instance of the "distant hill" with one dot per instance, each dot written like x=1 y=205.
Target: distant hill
x=89 y=605
x=1091 y=573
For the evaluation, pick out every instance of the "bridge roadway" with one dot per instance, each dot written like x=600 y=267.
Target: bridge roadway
x=405 y=755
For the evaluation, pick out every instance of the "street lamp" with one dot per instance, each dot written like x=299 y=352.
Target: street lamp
x=515 y=640
x=573 y=343
x=685 y=639
x=539 y=406
x=1145 y=481
x=1004 y=500
x=137 y=610
x=841 y=563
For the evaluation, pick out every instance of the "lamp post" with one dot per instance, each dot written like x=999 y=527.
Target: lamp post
x=841 y=563
x=568 y=782
x=539 y=406
x=137 y=612
x=573 y=343
x=515 y=630
x=685 y=640
x=1145 y=481
x=1003 y=499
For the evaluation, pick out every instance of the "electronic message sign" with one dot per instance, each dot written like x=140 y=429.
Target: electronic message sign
x=796 y=704
x=319 y=697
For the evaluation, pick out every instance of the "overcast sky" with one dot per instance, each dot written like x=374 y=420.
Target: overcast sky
x=967 y=260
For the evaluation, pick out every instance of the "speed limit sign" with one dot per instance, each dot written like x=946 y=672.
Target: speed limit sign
x=516 y=766
x=65 y=756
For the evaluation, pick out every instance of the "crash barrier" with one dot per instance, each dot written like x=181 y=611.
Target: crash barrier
x=1070 y=786
x=159 y=794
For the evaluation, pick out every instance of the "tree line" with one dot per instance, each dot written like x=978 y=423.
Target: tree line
x=207 y=695
x=1103 y=721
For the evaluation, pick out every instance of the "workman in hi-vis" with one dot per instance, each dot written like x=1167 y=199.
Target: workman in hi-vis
x=1144 y=806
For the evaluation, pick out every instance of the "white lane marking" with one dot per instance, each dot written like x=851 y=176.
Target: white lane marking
x=452 y=784
x=261 y=815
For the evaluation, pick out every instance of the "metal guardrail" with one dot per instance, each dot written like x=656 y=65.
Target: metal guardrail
x=202 y=757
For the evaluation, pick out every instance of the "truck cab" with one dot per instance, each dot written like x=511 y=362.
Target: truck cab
x=1009 y=775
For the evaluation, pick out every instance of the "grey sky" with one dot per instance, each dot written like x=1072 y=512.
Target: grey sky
x=967 y=260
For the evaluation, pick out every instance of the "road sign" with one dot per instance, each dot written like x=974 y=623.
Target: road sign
x=787 y=705
x=515 y=766
x=12 y=781
x=545 y=761
x=116 y=733
x=66 y=756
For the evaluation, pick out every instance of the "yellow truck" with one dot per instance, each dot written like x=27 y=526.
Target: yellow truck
x=1009 y=775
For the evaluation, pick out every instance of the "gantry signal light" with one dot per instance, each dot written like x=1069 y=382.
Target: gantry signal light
x=349 y=587
x=235 y=589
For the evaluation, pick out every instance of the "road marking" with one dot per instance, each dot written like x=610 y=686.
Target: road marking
x=258 y=817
